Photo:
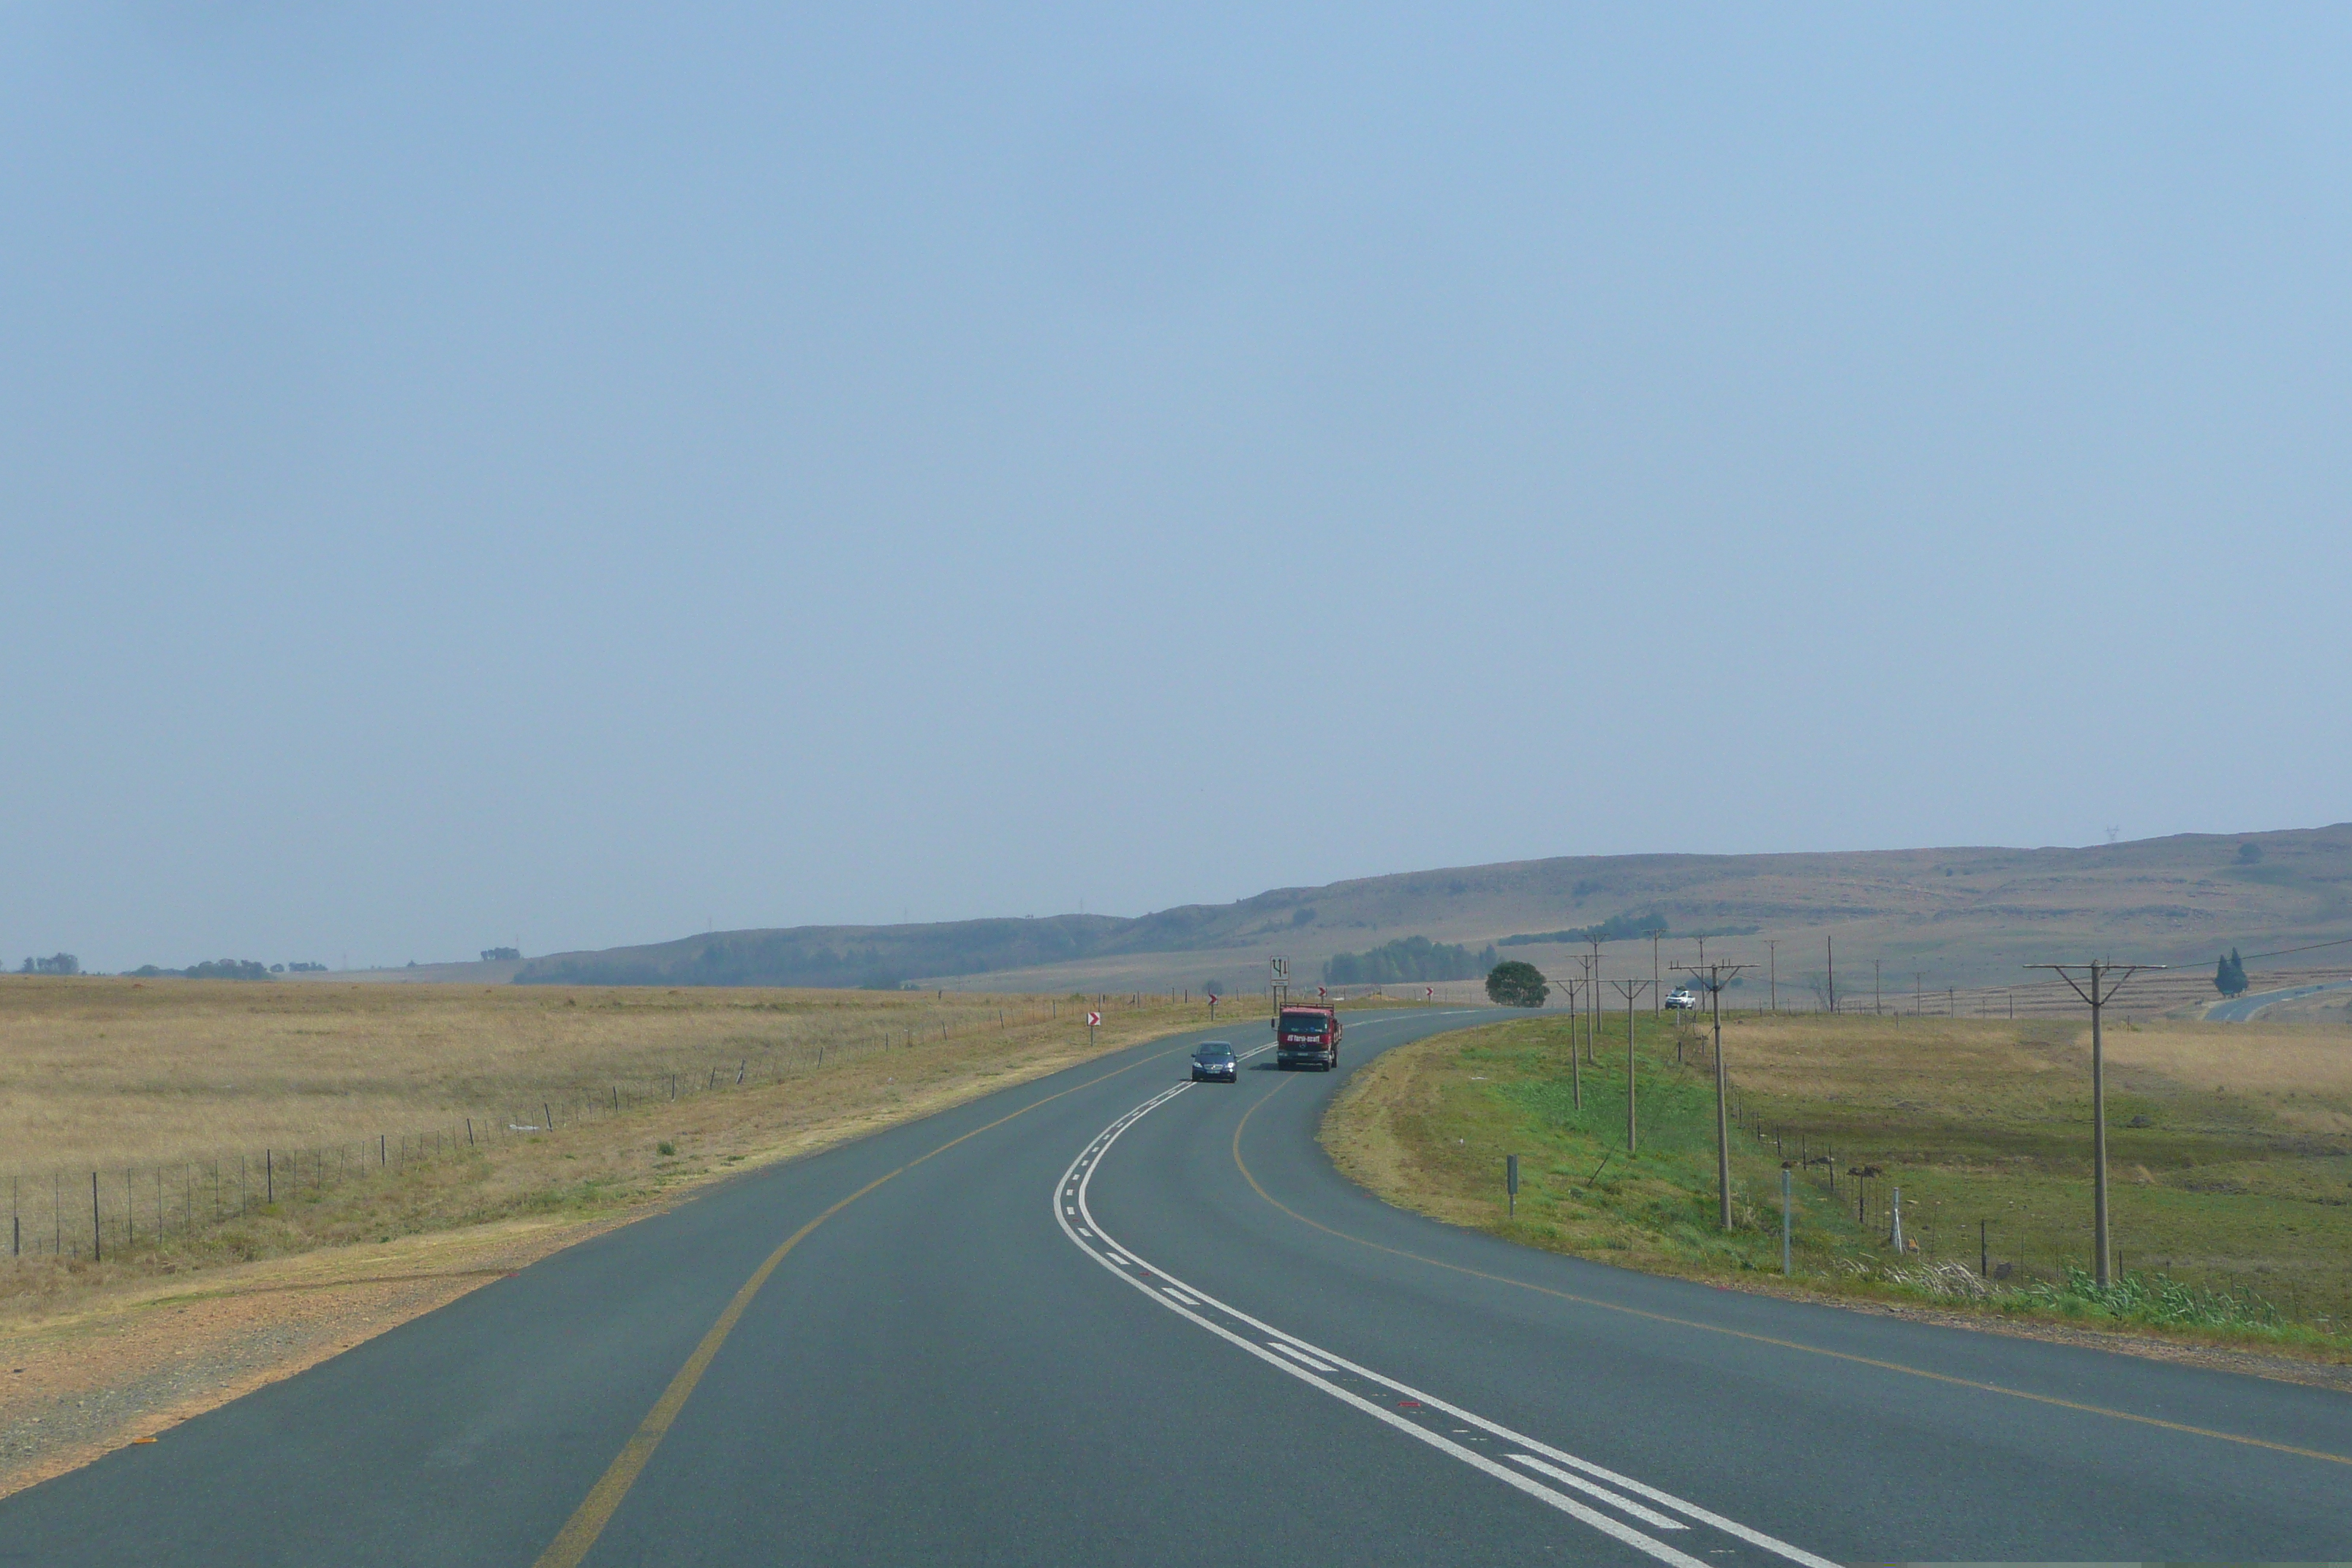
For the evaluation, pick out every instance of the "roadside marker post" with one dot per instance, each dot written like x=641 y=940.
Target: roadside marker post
x=1786 y=1218
x=1094 y=1021
x=1511 y=1181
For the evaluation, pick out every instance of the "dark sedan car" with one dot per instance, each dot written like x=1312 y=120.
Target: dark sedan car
x=1215 y=1061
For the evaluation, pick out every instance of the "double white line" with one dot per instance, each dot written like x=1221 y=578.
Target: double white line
x=1556 y=1479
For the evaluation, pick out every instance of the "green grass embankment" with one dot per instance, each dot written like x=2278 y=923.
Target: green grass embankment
x=2230 y=1222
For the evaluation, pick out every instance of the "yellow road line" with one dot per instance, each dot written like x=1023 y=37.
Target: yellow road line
x=1768 y=1339
x=595 y=1511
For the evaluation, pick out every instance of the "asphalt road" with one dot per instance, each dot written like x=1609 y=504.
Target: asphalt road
x=2238 y=1009
x=1104 y=1318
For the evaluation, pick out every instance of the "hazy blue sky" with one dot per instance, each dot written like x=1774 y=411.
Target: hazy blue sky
x=582 y=473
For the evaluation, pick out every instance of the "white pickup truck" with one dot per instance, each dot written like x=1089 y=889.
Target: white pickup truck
x=1680 y=997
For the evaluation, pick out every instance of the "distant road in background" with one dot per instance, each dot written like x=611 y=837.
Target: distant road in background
x=2240 y=1009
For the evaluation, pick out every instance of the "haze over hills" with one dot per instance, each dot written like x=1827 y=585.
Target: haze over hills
x=1964 y=916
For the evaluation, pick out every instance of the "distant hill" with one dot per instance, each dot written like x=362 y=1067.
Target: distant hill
x=1962 y=916
x=837 y=956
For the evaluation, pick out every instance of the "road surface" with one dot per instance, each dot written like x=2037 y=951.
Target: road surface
x=2239 y=1009
x=1110 y=1317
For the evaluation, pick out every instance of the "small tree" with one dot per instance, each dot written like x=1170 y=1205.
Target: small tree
x=227 y=969
x=2249 y=853
x=1516 y=984
x=2229 y=975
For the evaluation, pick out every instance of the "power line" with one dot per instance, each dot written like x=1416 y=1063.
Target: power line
x=2315 y=947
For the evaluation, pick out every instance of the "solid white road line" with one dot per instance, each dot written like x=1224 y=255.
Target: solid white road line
x=1294 y=1351
x=1515 y=1480
x=1299 y=1355
x=1569 y=1477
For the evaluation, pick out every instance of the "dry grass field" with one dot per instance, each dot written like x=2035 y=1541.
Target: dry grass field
x=2230 y=1148
x=211 y=1122
x=103 y=1073
x=250 y=1227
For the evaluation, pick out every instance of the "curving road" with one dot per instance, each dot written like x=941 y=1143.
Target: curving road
x=1111 y=1317
x=2240 y=1009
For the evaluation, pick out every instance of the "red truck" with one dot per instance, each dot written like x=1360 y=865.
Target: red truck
x=1307 y=1036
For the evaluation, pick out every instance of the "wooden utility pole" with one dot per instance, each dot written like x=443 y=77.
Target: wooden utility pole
x=1658 y=997
x=1576 y=1026
x=2101 y=984
x=1632 y=988
x=1772 y=972
x=1575 y=1055
x=1877 y=1004
x=1832 y=942
x=1593 y=1028
x=1713 y=979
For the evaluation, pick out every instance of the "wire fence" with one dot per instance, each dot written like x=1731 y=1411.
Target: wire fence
x=103 y=1213
x=1949 y=1251
x=100 y=1212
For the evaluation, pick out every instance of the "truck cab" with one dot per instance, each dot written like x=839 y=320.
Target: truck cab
x=1307 y=1037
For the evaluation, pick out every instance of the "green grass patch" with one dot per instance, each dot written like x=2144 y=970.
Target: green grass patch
x=2229 y=1221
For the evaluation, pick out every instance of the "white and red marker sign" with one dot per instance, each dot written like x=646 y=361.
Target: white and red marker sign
x=1093 y=1020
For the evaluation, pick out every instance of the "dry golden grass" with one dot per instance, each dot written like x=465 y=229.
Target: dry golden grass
x=225 y=1295
x=1953 y=1064
x=98 y=1073
x=228 y=1122
x=2273 y=1060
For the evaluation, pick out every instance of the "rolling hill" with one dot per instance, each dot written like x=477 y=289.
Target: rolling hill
x=1965 y=916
